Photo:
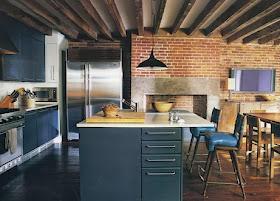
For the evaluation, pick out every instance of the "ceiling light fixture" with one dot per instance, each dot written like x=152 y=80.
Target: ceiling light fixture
x=152 y=63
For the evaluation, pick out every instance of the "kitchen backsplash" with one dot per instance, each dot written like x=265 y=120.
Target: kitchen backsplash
x=8 y=87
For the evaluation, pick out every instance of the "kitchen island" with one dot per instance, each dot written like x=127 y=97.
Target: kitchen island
x=134 y=161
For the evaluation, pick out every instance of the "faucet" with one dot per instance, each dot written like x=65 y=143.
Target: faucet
x=131 y=104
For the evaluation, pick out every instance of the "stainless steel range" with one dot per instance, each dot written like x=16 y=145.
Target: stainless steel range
x=11 y=139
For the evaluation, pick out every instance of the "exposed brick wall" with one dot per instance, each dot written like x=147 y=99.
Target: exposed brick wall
x=204 y=57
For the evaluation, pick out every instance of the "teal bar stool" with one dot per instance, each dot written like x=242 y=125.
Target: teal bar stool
x=198 y=132
x=231 y=142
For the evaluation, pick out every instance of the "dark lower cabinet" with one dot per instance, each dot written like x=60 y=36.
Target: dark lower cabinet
x=30 y=132
x=122 y=164
x=43 y=126
x=53 y=122
x=40 y=127
x=110 y=164
x=161 y=184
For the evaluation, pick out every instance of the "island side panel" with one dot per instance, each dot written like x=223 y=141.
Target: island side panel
x=110 y=164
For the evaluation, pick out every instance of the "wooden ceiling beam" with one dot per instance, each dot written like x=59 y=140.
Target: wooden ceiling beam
x=96 y=17
x=184 y=11
x=256 y=26
x=159 y=15
x=266 y=31
x=76 y=19
x=269 y=37
x=255 y=13
x=210 y=8
x=112 y=7
x=229 y=14
x=64 y=28
x=277 y=42
x=139 y=17
x=16 y=13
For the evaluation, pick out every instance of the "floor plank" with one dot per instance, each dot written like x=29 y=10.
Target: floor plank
x=53 y=175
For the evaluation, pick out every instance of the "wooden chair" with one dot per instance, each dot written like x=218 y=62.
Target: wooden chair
x=264 y=124
x=256 y=136
x=275 y=132
x=231 y=142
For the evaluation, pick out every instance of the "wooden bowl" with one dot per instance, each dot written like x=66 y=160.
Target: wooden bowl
x=269 y=97
x=163 y=106
x=112 y=112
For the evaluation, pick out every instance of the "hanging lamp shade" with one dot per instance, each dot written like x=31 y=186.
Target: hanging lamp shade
x=152 y=63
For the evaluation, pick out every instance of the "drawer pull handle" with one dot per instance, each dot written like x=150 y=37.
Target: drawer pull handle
x=160 y=146
x=161 y=133
x=161 y=160
x=160 y=173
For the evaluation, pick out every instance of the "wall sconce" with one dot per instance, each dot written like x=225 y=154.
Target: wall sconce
x=230 y=85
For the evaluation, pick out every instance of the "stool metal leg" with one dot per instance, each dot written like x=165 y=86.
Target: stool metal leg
x=195 y=151
x=234 y=167
x=239 y=173
x=190 y=147
x=208 y=170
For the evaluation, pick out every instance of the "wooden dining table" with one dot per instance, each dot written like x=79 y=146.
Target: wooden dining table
x=266 y=117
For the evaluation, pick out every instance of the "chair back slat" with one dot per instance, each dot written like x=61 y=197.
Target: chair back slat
x=239 y=129
x=275 y=129
x=252 y=121
x=216 y=116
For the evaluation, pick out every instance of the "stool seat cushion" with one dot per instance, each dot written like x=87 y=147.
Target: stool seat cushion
x=220 y=139
x=197 y=130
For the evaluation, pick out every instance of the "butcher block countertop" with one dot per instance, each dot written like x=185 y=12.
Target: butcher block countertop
x=154 y=120
x=122 y=117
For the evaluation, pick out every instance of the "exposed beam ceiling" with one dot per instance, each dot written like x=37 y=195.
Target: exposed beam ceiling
x=244 y=21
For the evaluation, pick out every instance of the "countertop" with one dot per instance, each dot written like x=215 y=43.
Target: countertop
x=38 y=106
x=157 y=120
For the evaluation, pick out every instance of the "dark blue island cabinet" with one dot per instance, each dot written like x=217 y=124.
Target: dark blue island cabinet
x=131 y=164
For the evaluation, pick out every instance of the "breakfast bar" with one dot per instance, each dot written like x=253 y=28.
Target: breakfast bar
x=134 y=161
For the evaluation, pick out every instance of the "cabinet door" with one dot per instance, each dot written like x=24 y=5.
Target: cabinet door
x=161 y=184
x=270 y=106
x=11 y=64
x=110 y=163
x=38 y=49
x=30 y=132
x=53 y=122
x=51 y=62
x=26 y=56
x=43 y=126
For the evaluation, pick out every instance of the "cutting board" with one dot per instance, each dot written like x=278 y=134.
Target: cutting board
x=122 y=117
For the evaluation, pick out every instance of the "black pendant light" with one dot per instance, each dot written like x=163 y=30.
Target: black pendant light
x=152 y=63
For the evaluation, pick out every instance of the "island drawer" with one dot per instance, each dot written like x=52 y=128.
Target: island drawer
x=162 y=184
x=161 y=134
x=170 y=160
x=161 y=147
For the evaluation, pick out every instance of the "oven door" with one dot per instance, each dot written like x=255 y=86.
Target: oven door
x=11 y=145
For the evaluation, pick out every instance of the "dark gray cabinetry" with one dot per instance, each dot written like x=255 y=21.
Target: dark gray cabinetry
x=29 y=64
x=110 y=164
x=43 y=126
x=131 y=164
x=162 y=164
x=30 y=132
x=40 y=127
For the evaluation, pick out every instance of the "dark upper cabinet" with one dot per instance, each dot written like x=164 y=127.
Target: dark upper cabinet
x=29 y=64
x=38 y=64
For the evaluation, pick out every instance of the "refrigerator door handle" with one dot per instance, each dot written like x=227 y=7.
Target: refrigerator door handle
x=86 y=84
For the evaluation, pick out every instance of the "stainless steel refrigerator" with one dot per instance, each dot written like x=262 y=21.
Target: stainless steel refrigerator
x=89 y=86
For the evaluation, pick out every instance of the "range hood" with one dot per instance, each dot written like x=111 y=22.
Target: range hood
x=6 y=45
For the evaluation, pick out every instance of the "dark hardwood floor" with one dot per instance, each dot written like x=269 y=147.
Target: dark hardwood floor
x=53 y=175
